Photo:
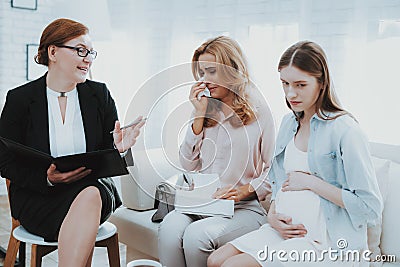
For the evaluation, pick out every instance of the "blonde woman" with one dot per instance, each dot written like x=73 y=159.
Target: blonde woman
x=230 y=136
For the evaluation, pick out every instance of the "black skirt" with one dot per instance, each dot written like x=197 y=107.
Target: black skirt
x=43 y=214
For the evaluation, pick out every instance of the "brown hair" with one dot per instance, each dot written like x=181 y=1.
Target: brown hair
x=57 y=33
x=309 y=57
x=232 y=65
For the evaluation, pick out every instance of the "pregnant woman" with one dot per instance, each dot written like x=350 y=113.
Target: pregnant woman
x=324 y=187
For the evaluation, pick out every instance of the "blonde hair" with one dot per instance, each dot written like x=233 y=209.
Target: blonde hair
x=233 y=66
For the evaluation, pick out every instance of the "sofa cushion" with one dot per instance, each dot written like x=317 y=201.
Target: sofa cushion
x=385 y=151
x=391 y=216
x=374 y=232
x=382 y=167
x=150 y=168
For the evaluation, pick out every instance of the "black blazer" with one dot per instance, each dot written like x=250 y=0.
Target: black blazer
x=24 y=119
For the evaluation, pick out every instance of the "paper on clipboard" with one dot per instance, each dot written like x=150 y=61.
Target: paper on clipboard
x=199 y=200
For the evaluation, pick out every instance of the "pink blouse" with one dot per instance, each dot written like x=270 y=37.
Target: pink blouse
x=239 y=155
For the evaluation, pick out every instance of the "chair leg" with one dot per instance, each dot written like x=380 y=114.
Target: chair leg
x=36 y=260
x=13 y=243
x=12 y=250
x=112 y=249
x=38 y=252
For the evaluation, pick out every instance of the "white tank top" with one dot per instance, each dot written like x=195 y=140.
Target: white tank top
x=295 y=159
x=303 y=206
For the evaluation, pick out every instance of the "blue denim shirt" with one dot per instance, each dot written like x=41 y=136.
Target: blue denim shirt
x=338 y=153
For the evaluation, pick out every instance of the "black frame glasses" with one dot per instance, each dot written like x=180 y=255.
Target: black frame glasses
x=81 y=51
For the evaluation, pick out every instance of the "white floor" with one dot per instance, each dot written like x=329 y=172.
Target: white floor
x=100 y=258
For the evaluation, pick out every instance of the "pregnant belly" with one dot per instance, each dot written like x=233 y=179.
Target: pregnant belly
x=304 y=208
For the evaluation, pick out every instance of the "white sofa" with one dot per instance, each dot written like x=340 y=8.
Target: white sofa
x=133 y=220
x=140 y=234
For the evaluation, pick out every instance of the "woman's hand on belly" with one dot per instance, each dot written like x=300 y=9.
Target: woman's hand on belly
x=283 y=224
x=298 y=181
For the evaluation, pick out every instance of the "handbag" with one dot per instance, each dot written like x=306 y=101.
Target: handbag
x=164 y=201
x=112 y=191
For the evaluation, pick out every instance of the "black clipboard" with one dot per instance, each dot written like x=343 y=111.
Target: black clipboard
x=103 y=163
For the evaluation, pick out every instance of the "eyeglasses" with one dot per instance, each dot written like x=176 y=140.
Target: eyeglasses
x=81 y=51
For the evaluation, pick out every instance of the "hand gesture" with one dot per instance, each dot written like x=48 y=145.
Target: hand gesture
x=126 y=138
x=234 y=193
x=297 y=181
x=199 y=105
x=283 y=224
x=57 y=177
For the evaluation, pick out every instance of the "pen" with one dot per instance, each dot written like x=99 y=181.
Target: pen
x=191 y=185
x=137 y=121
x=185 y=178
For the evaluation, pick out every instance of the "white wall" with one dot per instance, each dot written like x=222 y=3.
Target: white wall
x=18 y=27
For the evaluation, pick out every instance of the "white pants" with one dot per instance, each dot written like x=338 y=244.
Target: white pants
x=188 y=240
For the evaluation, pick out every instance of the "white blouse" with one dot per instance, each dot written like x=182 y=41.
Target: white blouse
x=68 y=137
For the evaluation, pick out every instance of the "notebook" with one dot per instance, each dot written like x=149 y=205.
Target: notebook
x=199 y=200
x=103 y=163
